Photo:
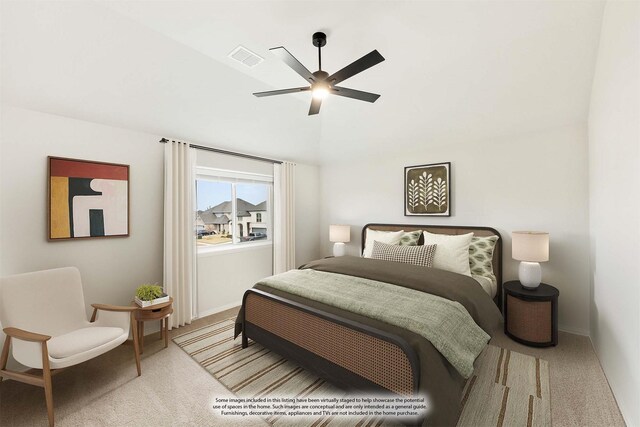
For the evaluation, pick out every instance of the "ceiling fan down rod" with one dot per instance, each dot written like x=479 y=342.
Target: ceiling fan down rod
x=319 y=39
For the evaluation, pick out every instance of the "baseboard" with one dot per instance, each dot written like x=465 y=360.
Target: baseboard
x=622 y=408
x=575 y=331
x=219 y=309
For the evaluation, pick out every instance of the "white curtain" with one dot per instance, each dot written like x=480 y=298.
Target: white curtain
x=179 y=240
x=284 y=238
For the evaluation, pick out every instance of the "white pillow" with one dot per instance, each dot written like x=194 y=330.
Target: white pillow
x=389 y=237
x=452 y=252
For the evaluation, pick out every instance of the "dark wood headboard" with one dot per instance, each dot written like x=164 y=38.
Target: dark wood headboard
x=453 y=230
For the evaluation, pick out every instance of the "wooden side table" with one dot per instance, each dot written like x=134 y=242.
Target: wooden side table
x=159 y=312
x=531 y=316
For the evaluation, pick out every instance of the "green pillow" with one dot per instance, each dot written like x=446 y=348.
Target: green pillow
x=410 y=238
x=481 y=256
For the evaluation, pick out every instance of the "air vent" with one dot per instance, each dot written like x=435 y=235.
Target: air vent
x=245 y=56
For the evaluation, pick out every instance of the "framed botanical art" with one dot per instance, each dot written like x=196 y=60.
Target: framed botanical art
x=87 y=199
x=427 y=190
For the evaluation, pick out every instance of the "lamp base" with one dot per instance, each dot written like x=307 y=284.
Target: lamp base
x=530 y=274
x=339 y=249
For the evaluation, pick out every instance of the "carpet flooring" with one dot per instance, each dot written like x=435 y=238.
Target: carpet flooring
x=175 y=391
x=507 y=388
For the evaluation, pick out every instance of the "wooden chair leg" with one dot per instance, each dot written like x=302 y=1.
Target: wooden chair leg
x=136 y=350
x=48 y=389
x=44 y=381
x=5 y=355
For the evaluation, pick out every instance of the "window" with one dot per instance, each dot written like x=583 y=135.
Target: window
x=214 y=212
x=232 y=208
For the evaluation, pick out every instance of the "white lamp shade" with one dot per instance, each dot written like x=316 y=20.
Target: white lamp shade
x=339 y=233
x=531 y=246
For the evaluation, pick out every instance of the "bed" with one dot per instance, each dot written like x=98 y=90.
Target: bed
x=360 y=353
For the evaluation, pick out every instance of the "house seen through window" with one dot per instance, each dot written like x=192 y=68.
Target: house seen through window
x=232 y=212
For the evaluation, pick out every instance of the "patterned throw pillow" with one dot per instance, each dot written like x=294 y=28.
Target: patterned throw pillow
x=417 y=255
x=481 y=255
x=410 y=238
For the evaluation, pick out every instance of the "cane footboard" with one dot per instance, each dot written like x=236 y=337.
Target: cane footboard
x=349 y=354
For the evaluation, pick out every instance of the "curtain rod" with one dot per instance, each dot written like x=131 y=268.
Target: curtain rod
x=230 y=153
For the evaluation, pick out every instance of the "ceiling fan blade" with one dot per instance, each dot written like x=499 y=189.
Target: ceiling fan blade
x=315 y=106
x=355 y=94
x=282 y=91
x=292 y=62
x=357 y=66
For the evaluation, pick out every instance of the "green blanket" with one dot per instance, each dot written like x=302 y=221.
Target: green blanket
x=445 y=323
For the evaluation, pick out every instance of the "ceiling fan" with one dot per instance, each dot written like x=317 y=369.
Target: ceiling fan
x=321 y=82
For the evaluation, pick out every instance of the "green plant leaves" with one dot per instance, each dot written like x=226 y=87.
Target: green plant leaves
x=148 y=292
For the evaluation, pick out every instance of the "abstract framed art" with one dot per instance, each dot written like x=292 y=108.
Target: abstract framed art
x=87 y=199
x=427 y=190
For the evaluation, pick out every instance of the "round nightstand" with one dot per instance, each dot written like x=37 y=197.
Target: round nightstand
x=531 y=316
x=159 y=312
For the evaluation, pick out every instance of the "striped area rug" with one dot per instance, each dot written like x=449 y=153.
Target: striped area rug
x=507 y=388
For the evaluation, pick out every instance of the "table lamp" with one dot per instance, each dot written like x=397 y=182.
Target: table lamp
x=530 y=248
x=339 y=235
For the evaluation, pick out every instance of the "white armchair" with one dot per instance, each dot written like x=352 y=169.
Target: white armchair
x=46 y=325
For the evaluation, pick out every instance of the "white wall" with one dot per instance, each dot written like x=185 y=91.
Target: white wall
x=210 y=159
x=224 y=276
x=614 y=183
x=532 y=182
x=111 y=268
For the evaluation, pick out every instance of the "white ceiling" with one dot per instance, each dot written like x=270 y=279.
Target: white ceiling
x=454 y=70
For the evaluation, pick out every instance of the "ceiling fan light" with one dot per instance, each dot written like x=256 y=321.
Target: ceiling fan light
x=319 y=93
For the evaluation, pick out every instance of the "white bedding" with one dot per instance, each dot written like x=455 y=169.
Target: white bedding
x=489 y=286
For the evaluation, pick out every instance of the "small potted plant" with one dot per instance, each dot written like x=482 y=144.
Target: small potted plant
x=147 y=295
